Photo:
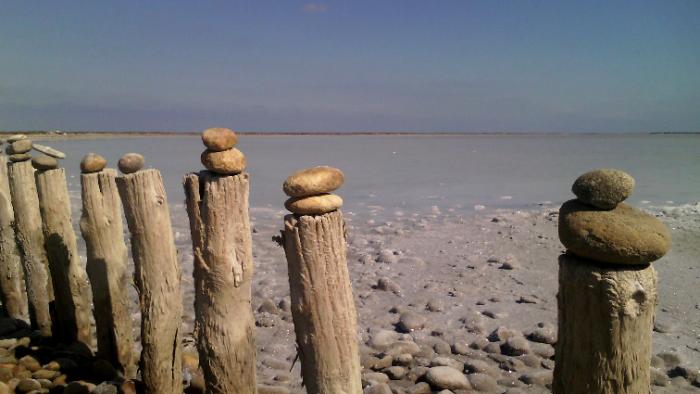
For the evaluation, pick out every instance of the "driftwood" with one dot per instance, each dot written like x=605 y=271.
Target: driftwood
x=71 y=288
x=157 y=279
x=30 y=239
x=223 y=269
x=103 y=231
x=606 y=314
x=322 y=304
x=12 y=292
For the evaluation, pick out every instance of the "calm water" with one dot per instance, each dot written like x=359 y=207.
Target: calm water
x=417 y=172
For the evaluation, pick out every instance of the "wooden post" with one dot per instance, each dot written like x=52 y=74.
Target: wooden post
x=157 y=278
x=14 y=297
x=103 y=231
x=322 y=304
x=71 y=288
x=223 y=268
x=606 y=313
x=30 y=239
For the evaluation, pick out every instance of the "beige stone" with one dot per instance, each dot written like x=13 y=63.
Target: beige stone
x=624 y=235
x=92 y=162
x=130 y=163
x=219 y=139
x=17 y=157
x=228 y=162
x=314 y=205
x=49 y=151
x=603 y=188
x=312 y=181
x=21 y=146
x=44 y=162
x=16 y=137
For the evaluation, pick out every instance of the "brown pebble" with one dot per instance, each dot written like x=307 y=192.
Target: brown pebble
x=16 y=158
x=313 y=181
x=314 y=205
x=44 y=162
x=228 y=162
x=27 y=385
x=92 y=162
x=219 y=139
x=30 y=363
x=130 y=163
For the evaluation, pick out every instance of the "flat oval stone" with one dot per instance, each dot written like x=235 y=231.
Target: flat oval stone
x=228 y=162
x=130 y=163
x=21 y=146
x=603 y=188
x=312 y=181
x=314 y=205
x=92 y=162
x=44 y=162
x=49 y=151
x=16 y=137
x=624 y=235
x=219 y=139
x=17 y=157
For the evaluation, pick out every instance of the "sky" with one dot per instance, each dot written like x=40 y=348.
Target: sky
x=458 y=66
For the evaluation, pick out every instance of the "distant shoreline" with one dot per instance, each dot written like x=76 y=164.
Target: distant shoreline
x=58 y=135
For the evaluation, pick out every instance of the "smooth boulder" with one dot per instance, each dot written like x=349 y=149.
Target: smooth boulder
x=447 y=378
x=130 y=163
x=603 y=188
x=314 y=205
x=21 y=146
x=16 y=137
x=624 y=235
x=44 y=162
x=17 y=157
x=219 y=139
x=228 y=162
x=92 y=162
x=313 y=181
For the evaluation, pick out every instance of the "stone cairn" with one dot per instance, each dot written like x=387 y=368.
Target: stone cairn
x=217 y=206
x=607 y=287
x=323 y=309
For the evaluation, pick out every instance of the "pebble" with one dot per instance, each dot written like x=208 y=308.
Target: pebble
x=228 y=162
x=395 y=372
x=515 y=346
x=27 y=385
x=382 y=339
x=473 y=366
x=604 y=188
x=420 y=388
x=447 y=378
x=16 y=137
x=21 y=146
x=410 y=321
x=542 y=378
x=18 y=157
x=313 y=181
x=92 y=162
x=447 y=362
x=543 y=333
x=314 y=205
x=624 y=235
x=483 y=383
x=377 y=388
x=659 y=378
x=670 y=359
x=387 y=284
x=44 y=162
x=130 y=163
x=49 y=151
x=218 y=139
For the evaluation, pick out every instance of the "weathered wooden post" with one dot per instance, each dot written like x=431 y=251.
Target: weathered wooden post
x=217 y=205
x=107 y=264
x=157 y=275
x=607 y=288
x=30 y=236
x=71 y=287
x=14 y=296
x=323 y=308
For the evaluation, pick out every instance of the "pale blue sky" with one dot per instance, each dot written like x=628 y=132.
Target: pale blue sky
x=536 y=66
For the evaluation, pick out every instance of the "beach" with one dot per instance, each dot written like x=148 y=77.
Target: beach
x=452 y=247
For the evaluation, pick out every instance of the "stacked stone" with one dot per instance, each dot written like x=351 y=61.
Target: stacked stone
x=19 y=147
x=309 y=190
x=607 y=287
x=221 y=157
x=599 y=226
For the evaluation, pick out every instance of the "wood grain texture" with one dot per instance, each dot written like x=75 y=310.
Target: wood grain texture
x=71 y=287
x=606 y=314
x=323 y=308
x=223 y=270
x=30 y=238
x=107 y=267
x=12 y=291
x=157 y=279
